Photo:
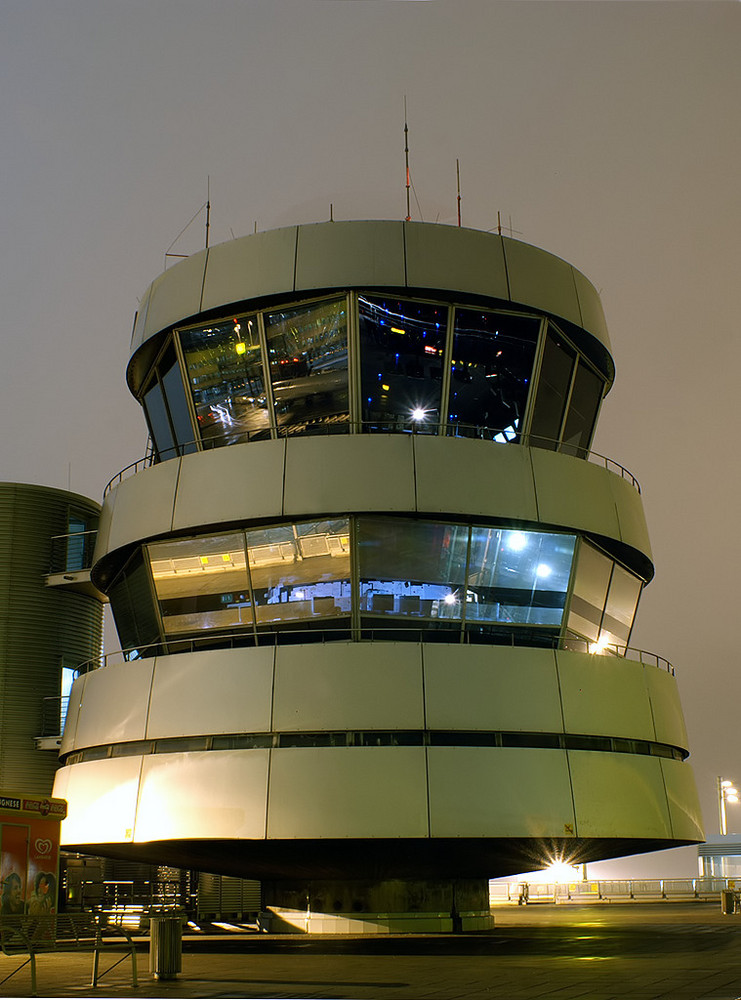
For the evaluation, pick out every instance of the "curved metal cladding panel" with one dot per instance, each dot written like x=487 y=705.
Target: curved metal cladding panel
x=40 y=626
x=389 y=473
x=286 y=791
x=403 y=255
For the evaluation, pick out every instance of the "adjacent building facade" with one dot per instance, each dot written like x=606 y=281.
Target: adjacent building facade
x=375 y=592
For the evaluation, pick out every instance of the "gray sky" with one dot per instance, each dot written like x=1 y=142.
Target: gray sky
x=608 y=131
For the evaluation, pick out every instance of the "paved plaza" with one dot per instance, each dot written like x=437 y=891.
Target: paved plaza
x=639 y=951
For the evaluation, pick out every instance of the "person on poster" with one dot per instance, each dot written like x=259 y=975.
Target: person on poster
x=41 y=900
x=12 y=898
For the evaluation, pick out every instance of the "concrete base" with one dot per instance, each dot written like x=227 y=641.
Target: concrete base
x=369 y=907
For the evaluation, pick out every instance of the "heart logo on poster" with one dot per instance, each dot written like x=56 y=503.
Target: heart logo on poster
x=43 y=846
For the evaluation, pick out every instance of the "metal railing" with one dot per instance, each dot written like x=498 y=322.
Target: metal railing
x=471 y=431
x=617 y=890
x=345 y=633
x=72 y=552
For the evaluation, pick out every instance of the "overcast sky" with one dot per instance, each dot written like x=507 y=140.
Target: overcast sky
x=607 y=131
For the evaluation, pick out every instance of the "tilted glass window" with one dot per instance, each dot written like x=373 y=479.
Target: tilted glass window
x=201 y=583
x=307 y=348
x=158 y=422
x=604 y=600
x=132 y=604
x=586 y=395
x=520 y=577
x=412 y=568
x=402 y=347
x=491 y=369
x=553 y=389
x=622 y=601
x=300 y=571
x=225 y=374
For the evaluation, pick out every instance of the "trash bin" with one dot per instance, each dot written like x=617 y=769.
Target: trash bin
x=727 y=901
x=165 y=945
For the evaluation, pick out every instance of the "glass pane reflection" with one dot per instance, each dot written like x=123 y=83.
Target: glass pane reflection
x=491 y=368
x=201 y=583
x=402 y=345
x=307 y=347
x=226 y=378
x=300 y=571
x=520 y=577
x=412 y=568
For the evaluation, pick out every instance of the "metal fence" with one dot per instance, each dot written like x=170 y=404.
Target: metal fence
x=278 y=637
x=616 y=890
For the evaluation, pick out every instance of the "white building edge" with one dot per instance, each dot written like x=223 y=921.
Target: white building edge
x=377 y=593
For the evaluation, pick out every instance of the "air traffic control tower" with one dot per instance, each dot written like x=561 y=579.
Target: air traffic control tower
x=376 y=593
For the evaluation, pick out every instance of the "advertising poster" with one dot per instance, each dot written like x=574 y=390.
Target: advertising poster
x=29 y=853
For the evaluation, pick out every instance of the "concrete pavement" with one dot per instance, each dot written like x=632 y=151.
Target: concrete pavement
x=608 y=951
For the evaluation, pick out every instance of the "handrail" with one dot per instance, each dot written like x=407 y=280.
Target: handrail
x=475 y=431
x=366 y=633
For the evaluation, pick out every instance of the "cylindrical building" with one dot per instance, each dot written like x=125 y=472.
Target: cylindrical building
x=375 y=590
x=51 y=620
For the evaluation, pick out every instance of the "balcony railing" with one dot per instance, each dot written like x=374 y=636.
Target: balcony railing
x=231 y=640
x=496 y=435
x=73 y=552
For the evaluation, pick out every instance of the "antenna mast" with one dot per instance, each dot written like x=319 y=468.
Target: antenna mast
x=458 y=177
x=208 y=206
x=406 y=155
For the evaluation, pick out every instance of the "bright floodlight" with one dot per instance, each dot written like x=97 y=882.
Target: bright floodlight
x=516 y=541
x=418 y=413
x=543 y=570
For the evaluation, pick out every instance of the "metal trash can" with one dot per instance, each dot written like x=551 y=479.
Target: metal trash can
x=165 y=945
x=727 y=901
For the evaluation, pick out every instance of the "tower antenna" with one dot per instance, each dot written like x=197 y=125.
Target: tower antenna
x=458 y=178
x=406 y=155
x=208 y=206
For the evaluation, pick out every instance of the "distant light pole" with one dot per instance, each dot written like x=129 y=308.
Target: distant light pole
x=726 y=793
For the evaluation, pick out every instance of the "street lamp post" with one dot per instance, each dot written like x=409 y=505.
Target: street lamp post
x=726 y=793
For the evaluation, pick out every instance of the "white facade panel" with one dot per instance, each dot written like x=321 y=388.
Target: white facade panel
x=631 y=518
x=114 y=704
x=473 y=477
x=463 y=260
x=211 y=692
x=342 y=473
x=590 y=307
x=574 y=493
x=356 y=792
x=101 y=796
x=348 y=254
x=175 y=295
x=499 y=792
x=230 y=484
x=246 y=268
x=684 y=804
x=214 y=795
x=69 y=735
x=348 y=686
x=489 y=688
x=619 y=795
x=667 y=711
x=537 y=278
x=604 y=695
x=144 y=504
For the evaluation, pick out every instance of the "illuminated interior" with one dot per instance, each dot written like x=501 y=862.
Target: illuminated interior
x=371 y=363
x=379 y=571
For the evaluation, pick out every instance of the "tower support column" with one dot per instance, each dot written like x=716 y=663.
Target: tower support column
x=391 y=906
